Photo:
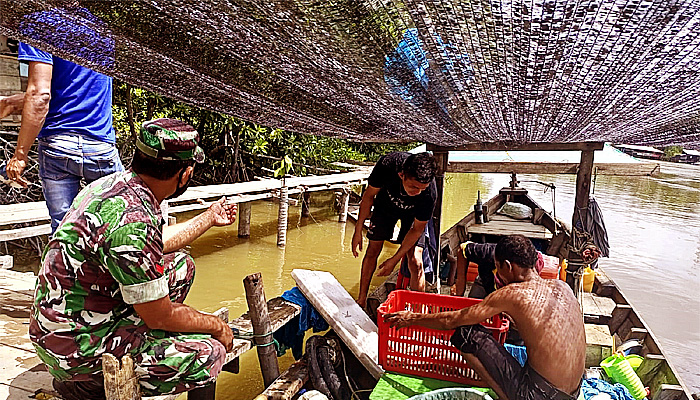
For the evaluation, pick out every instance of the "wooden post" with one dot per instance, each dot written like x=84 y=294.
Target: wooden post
x=305 y=203
x=344 y=203
x=282 y=215
x=262 y=328
x=235 y=156
x=121 y=382
x=583 y=188
x=441 y=158
x=244 y=212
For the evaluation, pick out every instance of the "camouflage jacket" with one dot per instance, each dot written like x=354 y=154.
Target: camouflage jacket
x=105 y=256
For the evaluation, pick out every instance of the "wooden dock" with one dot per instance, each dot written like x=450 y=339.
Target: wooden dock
x=196 y=198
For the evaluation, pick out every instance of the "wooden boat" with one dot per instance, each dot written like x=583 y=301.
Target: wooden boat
x=610 y=319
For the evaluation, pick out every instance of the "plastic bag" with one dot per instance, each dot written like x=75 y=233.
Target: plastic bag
x=516 y=210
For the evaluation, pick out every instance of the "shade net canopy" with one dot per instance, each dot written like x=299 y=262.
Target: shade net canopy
x=443 y=72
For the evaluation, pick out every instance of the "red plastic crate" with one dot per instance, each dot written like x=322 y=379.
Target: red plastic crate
x=420 y=351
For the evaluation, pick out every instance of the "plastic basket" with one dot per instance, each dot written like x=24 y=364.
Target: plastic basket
x=425 y=352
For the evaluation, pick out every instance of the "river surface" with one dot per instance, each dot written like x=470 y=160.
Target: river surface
x=653 y=226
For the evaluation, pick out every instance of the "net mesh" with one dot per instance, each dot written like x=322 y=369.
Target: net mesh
x=439 y=71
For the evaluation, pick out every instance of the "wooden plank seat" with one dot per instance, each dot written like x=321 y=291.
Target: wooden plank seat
x=501 y=225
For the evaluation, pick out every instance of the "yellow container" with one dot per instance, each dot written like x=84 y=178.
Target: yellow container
x=588 y=279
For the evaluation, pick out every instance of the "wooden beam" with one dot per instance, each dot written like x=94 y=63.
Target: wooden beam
x=511 y=146
x=617 y=169
x=441 y=158
x=583 y=188
x=288 y=384
x=342 y=313
x=19 y=233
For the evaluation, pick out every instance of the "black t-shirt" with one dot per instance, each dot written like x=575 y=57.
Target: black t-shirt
x=392 y=197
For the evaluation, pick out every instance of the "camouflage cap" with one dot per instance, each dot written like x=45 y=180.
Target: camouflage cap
x=169 y=139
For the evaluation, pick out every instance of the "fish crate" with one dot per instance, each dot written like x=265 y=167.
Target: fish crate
x=424 y=352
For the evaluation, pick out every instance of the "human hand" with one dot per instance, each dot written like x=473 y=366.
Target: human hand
x=15 y=169
x=224 y=334
x=387 y=267
x=400 y=319
x=356 y=242
x=362 y=301
x=222 y=213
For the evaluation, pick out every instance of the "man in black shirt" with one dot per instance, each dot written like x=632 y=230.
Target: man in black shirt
x=482 y=255
x=400 y=187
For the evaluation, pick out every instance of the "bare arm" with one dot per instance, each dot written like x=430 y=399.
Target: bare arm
x=365 y=208
x=492 y=305
x=11 y=105
x=35 y=108
x=409 y=241
x=175 y=317
x=177 y=236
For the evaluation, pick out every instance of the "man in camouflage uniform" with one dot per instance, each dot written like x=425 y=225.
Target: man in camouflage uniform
x=112 y=282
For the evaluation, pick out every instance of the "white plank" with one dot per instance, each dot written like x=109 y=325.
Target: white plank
x=343 y=314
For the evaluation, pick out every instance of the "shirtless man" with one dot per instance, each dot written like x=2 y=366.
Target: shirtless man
x=547 y=316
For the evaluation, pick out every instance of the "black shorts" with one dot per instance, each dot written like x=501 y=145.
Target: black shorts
x=381 y=227
x=518 y=382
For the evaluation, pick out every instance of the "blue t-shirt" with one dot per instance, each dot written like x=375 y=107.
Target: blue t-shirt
x=81 y=99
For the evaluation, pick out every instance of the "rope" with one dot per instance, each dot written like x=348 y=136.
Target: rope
x=250 y=336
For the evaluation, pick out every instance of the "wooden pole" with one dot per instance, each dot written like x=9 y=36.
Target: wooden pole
x=244 y=213
x=282 y=215
x=306 y=198
x=441 y=158
x=121 y=382
x=235 y=156
x=583 y=187
x=583 y=190
x=344 y=204
x=262 y=328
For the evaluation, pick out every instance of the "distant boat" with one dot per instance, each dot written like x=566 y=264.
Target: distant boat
x=641 y=151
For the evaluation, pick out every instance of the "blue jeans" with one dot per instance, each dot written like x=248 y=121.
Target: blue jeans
x=64 y=160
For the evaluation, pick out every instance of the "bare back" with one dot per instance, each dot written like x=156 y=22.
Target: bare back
x=550 y=322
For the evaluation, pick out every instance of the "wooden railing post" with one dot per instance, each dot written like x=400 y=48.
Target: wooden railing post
x=305 y=203
x=262 y=328
x=344 y=204
x=244 y=213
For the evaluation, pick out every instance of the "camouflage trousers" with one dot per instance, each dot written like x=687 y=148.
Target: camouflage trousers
x=174 y=363
x=167 y=362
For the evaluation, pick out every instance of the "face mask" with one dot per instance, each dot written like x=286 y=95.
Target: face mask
x=180 y=189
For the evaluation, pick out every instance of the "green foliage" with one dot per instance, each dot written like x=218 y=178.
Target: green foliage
x=285 y=167
x=670 y=151
x=261 y=147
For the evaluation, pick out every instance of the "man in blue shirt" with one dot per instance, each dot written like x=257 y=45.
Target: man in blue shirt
x=69 y=108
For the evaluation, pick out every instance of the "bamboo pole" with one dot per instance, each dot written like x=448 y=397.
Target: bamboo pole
x=121 y=382
x=282 y=215
x=244 y=213
x=262 y=328
x=344 y=203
